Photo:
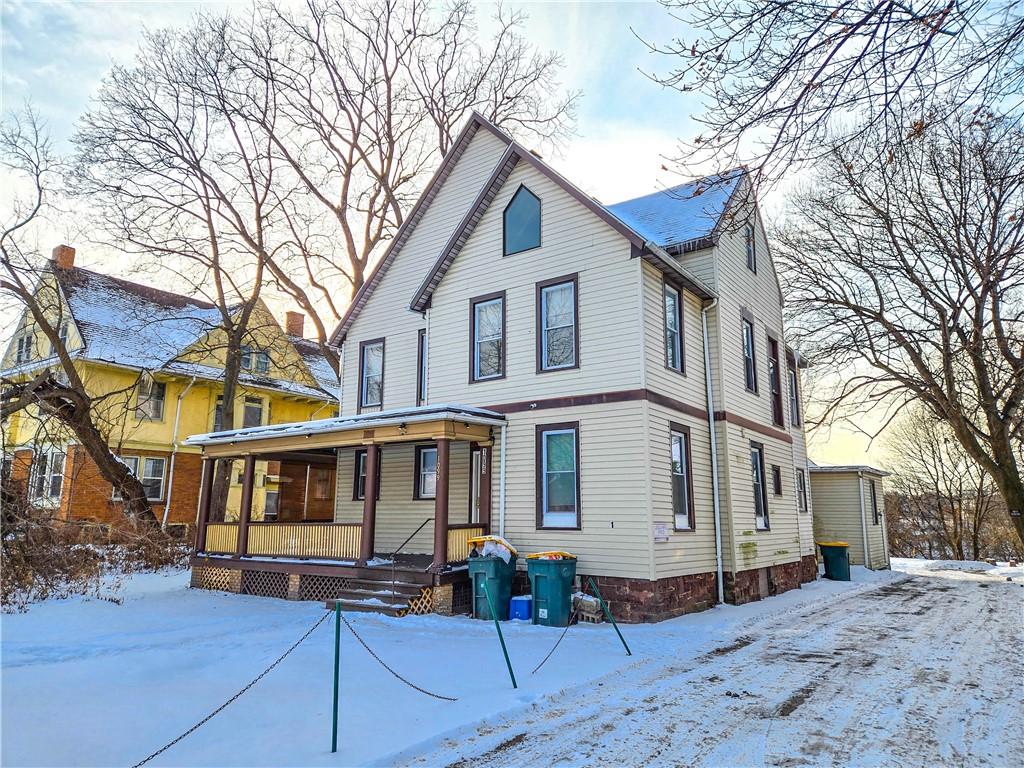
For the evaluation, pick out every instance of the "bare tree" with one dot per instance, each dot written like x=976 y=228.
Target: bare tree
x=906 y=279
x=783 y=79
x=55 y=391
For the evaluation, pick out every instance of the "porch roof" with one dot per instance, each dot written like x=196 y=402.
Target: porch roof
x=324 y=432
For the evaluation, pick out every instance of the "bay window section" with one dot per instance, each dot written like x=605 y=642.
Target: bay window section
x=557 y=332
x=759 y=486
x=487 y=336
x=558 y=479
x=682 y=485
x=673 y=329
x=371 y=373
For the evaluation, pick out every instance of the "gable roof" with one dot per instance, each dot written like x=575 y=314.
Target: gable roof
x=682 y=216
x=141 y=327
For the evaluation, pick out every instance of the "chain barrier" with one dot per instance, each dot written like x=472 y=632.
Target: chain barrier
x=223 y=706
x=557 y=642
x=389 y=669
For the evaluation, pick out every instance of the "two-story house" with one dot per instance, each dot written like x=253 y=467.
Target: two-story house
x=153 y=361
x=610 y=380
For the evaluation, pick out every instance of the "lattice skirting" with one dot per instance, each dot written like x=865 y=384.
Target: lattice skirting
x=462 y=597
x=205 y=577
x=322 y=588
x=265 y=584
x=422 y=604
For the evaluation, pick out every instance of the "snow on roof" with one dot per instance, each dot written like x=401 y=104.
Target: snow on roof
x=321 y=368
x=453 y=411
x=846 y=468
x=682 y=214
x=212 y=373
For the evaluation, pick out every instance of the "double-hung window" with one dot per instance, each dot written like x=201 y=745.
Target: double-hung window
x=48 y=474
x=150 y=402
x=557 y=332
x=152 y=477
x=682 y=486
x=876 y=517
x=801 y=491
x=426 y=472
x=775 y=381
x=371 y=373
x=25 y=348
x=255 y=360
x=487 y=335
x=62 y=334
x=749 y=359
x=794 y=397
x=751 y=245
x=558 y=477
x=359 y=486
x=673 y=329
x=252 y=414
x=759 y=487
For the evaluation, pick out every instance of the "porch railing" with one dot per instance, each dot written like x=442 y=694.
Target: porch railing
x=221 y=538
x=458 y=540
x=327 y=541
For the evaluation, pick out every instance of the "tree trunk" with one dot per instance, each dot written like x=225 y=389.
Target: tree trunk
x=133 y=496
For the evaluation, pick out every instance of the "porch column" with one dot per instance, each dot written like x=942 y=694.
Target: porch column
x=245 y=510
x=486 y=454
x=205 y=500
x=441 y=508
x=366 y=533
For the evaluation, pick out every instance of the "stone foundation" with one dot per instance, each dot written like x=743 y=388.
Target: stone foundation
x=759 y=583
x=808 y=569
x=641 y=600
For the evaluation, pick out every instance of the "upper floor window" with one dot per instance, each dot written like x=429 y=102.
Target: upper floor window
x=218 y=415
x=426 y=473
x=673 y=329
x=776 y=480
x=421 y=366
x=62 y=334
x=751 y=245
x=682 y=486
x=371 y=373
x=759 y=487
x=876 y=517
x=25 y=348
x=256 y=360
x=558 y=479
x=801 y=490
x=557 y=314
x=47 y=474
x=775 y=382
x=150 y=403
x=749 y=360
x=252 y=412
x=487 y=333
x=794 y=397
x=522 y=222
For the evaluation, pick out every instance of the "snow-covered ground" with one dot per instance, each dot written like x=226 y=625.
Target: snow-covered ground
x=89 y=682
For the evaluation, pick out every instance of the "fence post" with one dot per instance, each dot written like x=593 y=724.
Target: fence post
x=497 y=626
x=608 y=614
x=337 y=670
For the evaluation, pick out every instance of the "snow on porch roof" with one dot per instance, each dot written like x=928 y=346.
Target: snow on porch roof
x=452 y=411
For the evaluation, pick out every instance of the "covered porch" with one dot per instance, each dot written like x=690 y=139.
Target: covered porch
x=409 y=488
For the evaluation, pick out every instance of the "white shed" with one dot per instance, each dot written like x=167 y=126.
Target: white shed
x=849 y=505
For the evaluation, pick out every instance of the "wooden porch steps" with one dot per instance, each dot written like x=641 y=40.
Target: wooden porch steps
x=364 y=606
x=376 y=596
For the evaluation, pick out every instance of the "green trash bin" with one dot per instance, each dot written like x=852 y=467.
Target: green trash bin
x=836 y=555
x=551 y=577
x=497 y=574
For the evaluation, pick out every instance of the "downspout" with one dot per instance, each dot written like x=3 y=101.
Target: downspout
x=863 y=517
x=501 y=481
x=714 y=447
x=174 y=453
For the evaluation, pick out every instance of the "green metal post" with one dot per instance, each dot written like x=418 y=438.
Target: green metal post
x=337 y=670
x=608 y=615
x=497 y=626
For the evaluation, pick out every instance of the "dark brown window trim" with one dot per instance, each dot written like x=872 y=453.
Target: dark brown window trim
x=664 y=319
x=355 y=473
x=684 y=430
x=793 y=387
x=383 y=360
x=776 y=473
x=763 y=429
x=764 y=489
x=750 y=246
x=419 y=449
x=421 y=336
x=775 y=398
x=538 y=311
x=472 y=335
x=504 y=212
x=538 y=471
x=876 y=517
x=747 y=317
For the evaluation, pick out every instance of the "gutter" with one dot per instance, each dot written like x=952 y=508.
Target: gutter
x=863 y=517
x=714 y=447
x=174 y=453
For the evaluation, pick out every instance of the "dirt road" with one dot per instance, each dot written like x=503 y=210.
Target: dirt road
x=926 y=671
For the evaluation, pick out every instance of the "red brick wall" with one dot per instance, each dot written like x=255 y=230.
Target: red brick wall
x=640 y=600
x=808 y=569
x=758 y=583
x=21 y=468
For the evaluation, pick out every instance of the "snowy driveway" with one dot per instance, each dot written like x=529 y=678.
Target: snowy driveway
x=924 y=671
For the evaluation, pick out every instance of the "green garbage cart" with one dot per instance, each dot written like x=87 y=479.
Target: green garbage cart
x=551 y=578
x=836 y=555
x=497 y=574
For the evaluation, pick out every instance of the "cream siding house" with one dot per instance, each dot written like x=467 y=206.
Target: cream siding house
x=850 y=506
x=588 y=333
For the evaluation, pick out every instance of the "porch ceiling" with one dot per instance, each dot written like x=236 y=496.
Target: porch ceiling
x=450 y=421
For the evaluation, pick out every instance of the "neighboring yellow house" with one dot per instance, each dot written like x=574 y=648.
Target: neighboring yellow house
x=156 y=360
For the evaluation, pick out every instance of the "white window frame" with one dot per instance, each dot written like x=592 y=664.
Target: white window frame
x=749 y=356
x=25 y=348
x=132 y=462
x=148 y=407
x=673 y=348
x=479 y=340
x=801 y=491
x=146 y=475
x=251 y=400
x=560 y=518
x=544 y=327
x=45 y=492
x=364 y=377
x=759 y=483
x=682 y=521
x=422 y=474
x=794 y=396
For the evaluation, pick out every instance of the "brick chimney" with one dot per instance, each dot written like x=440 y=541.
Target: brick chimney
x=293 y=322
x=63 y=256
